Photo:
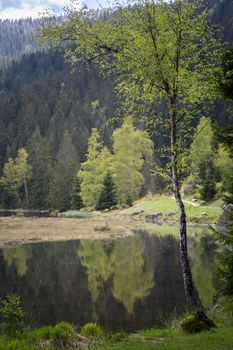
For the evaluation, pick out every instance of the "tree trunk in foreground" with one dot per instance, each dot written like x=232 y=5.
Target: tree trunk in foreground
x=193 y=300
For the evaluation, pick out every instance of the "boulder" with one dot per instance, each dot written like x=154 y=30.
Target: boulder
x=137 y=212
x=153 y=218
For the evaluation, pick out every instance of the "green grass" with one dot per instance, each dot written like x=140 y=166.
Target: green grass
x=203 y=214
x=149 y=339
x=220 y=339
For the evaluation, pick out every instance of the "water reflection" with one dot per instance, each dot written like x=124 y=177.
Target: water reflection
x=129 y=283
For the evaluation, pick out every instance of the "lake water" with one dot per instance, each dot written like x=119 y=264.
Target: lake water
x=128 y=283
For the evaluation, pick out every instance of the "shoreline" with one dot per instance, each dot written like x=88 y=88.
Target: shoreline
x=16 y=231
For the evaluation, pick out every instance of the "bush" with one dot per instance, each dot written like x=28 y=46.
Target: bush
x=45 y=332
x=118 y=337
x=91 y=330
x=62 y=332
x=191 y=324
x=12 y=312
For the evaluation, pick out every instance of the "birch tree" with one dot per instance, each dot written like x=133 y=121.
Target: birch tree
x=162 y=53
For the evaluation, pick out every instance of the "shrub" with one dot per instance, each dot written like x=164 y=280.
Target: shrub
x=91 y=330
x=62 y=331
x=45 y=332
x=119 y=337
x=12 y=312
x=191 y=324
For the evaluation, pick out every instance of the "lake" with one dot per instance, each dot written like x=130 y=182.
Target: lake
x=123 y=284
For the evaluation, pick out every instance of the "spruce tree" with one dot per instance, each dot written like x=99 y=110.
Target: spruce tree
x=76 y=199
x=107 y=197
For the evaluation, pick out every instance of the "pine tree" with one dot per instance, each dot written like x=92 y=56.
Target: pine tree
x=107 y=197
x=76 y=199
x=62 y=174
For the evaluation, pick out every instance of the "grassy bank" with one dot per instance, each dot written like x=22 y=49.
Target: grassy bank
x=54 y=338
x=196 y=212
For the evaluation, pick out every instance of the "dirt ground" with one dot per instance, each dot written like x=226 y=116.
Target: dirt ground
x=18 y=230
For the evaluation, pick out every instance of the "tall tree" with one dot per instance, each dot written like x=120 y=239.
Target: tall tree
x=93 y=170
x=202 y=154
x=76 y=199
x=162 y=53
x=225 y=135
x=16 y=173
x=62 y=175
x=131 y=147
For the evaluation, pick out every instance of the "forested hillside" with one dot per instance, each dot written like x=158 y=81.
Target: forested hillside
x=51 y=112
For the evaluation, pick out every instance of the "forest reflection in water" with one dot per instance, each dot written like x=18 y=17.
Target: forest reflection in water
x=128 y=283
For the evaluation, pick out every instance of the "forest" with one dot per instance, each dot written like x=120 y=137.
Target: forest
x=117 y=123
x=51 y=112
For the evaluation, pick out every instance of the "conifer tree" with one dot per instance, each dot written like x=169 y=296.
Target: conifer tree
x=107 y=197
x=76 y=199
x=62 y=174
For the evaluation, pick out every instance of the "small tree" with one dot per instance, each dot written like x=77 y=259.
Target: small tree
x=76 y=199
x=108 y=195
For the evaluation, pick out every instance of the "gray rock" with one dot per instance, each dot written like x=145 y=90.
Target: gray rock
x=153 y=218
x=137 y=212
x=171 y=213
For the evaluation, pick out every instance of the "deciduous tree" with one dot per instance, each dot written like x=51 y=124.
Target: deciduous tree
x=131 y=147
x=16 y=173
x=162 y=52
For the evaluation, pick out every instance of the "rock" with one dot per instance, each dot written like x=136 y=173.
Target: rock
x=153 y=218
x=223 y=221
x=137 y=212
x=171 y=213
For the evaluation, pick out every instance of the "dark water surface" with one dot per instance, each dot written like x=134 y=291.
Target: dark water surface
x=128 y=283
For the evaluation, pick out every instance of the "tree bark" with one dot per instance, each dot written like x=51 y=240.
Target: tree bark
x=193 y=300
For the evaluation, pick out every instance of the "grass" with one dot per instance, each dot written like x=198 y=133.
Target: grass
x=221 y=339
x=63 y=335
x=195 y=213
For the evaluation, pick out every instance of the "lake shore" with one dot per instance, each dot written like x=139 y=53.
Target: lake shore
x=114 y=224
x=20 y=230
